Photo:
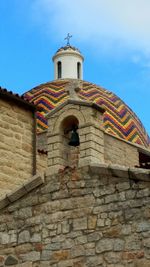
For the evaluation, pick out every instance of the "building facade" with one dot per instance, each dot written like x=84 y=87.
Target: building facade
x=87 y=205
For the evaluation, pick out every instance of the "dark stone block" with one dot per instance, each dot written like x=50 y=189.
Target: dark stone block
x=10 y=260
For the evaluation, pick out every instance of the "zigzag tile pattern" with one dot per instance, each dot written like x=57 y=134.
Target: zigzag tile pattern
x=119 y=119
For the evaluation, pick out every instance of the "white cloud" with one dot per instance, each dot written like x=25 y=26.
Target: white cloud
x=125 y=22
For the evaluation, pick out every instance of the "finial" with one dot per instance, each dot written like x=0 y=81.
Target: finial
x=68 y=38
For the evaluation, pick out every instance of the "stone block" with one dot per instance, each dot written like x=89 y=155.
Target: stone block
x=34 y=182
x=80 y=224
x=4 y=202
x=93 y=261
x=92 y=221
x=46 y=255
x=119 y=171
x=104 y=245
x=118 y=245
x=4 y=238
x=139 y=174
x=112 y=257
x=17 y=194
x=24 y=237
x=100 y=169
x=31 y=256
x=54 y=154
x=10 y=260
x=77 y=251
x=55 y=138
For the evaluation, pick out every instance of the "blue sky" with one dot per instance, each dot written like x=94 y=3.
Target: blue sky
x=113 y=36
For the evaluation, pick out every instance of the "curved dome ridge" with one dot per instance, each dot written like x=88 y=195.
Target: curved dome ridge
x=119 y=119
x=68 y=47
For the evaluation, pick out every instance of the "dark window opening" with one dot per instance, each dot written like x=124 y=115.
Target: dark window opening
x=79 y=70
x=144 y=160
x=59 y=69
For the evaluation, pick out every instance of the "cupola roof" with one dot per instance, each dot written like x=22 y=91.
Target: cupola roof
x=118 y=119
x=69 y=48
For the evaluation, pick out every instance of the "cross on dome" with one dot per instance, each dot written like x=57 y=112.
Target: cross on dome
x=68 y=39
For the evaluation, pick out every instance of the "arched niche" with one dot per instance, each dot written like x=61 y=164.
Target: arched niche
x=69 y=153
x=68 y=123
x=72 y=112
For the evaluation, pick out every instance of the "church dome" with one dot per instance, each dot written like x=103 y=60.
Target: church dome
x=119 y=120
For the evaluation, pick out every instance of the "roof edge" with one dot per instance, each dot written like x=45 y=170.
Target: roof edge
x=5 y=94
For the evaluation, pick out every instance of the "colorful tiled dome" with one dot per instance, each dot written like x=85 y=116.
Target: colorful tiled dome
x=119 y=119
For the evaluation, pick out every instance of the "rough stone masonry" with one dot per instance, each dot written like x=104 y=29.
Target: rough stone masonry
x=94 y=216
x=17 y=135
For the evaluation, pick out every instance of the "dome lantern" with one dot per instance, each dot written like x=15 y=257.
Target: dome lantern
x=68 y=62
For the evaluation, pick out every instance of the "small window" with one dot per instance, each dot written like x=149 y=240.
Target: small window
x=59 y=69
x=79 y=70
x=144 y=160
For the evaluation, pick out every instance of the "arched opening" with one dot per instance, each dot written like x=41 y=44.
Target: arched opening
x=68 y=124
x=59 y=70
x=70 y=153
x=79 y=70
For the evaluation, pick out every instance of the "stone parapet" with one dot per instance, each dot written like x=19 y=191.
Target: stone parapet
x=120 y=152
x=21 y=191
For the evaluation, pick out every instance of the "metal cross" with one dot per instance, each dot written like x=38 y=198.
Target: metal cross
x=68 y=38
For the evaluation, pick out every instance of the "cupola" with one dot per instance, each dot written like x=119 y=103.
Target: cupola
x=68 y=62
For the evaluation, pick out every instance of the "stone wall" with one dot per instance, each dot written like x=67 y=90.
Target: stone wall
x=41 y=161
x=120 y=152
x=90 y=217
x=42 y=141
x=116 y=151
x=16 y=145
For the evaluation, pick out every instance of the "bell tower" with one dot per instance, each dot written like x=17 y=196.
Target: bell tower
x=68 y=62
x=75 y=132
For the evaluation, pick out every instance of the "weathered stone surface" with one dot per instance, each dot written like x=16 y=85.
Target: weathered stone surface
x=99 y=221
x=31 y=256
x=24 y=237
x=112 y=257
x=80 y=224
x=36 y=237
x=4 y=202
x=10 y=260
x=118 y=245
x=92 y=221
x=4 y=238
x=121 y=153
x=94 y=261
x=104 y=245
x=77 y=251
x=34 y=182
x=16 y=144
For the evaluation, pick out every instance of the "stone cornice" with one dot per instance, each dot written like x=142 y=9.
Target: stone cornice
x=118 y=171
x=34 y=182
x=75 y=102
